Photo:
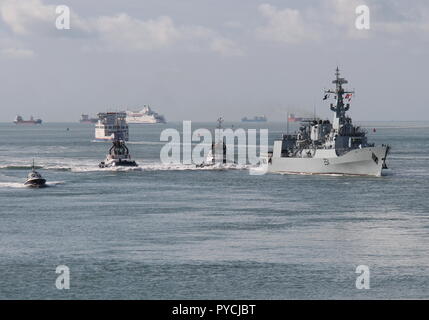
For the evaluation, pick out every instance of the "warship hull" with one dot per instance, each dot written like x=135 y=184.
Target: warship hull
x=368 y=161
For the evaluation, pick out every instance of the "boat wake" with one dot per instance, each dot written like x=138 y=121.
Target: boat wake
x=18 y=167
x=95 y=168
x=20 y=185
x=185 y=167
x=54 y=183
x=156 y=166
x=87 y=165
x=16 y=185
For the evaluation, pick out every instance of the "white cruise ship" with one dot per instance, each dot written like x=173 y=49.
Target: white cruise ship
x=111 y=125
x=146 y=115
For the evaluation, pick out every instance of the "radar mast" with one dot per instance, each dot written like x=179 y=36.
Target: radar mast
x=339 y=108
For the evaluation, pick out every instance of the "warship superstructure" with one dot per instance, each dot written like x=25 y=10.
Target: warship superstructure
x=324 y=147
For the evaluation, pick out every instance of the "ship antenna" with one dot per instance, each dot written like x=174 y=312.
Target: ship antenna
x=219 y=121
x=219 y=127
x=287 y=123
x=340 y=108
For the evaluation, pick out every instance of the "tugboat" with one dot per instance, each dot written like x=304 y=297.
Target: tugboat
x=119 y=155
x=217 y=154
x=322 y=147
x=35 y=179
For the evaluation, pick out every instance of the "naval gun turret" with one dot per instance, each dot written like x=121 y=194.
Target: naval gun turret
x=119 y=155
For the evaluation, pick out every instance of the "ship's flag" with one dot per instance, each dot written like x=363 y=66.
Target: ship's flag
x=348 y=96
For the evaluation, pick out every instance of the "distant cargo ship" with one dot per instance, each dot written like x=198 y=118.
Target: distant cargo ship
x=111 y=126
x=84 y=118
x=146 y=115
x=20 y=120
x=255 y=119
x=291 y=118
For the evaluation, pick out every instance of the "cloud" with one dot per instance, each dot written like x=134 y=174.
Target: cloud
x=23 y=16
x=16 y=53
x=233 y=24
x=12 y=48
x=225 y=47
x=287 y=25
x=32 y=17
x=123 y=31
x=119 y=32
x=400 y=19
x=335 y=19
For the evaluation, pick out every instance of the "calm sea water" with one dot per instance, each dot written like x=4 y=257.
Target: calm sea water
x=175 y=232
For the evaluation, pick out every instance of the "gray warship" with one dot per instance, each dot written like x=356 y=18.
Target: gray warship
x=322 y=147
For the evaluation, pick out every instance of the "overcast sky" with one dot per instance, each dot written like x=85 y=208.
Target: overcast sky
x=198 y=59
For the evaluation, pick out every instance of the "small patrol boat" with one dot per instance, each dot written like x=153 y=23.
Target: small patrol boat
x=35 y=179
